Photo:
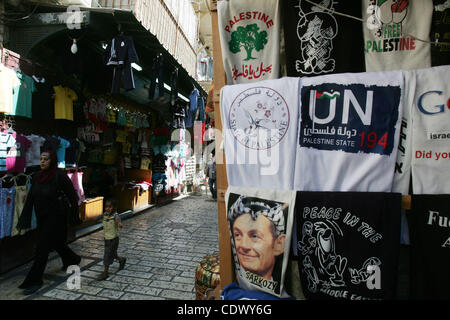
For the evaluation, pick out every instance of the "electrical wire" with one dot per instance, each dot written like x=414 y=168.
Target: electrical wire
x=23 y=18
x=437 y=43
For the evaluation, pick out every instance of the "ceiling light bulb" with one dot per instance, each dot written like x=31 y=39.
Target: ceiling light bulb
x=74 y=47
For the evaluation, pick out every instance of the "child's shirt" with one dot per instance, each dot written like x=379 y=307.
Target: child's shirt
x=110 y=226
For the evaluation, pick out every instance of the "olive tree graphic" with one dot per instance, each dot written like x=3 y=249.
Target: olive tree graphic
x=249 y=38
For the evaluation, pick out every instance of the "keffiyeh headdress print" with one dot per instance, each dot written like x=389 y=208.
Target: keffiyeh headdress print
x=255 y=207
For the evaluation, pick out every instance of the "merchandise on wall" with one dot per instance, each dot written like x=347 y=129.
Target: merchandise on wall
x=440 y=33
x=366 y=138
x=260 y=224
x=259 y=129
x=349 y=129
x=430 y=241
x=392 y=30
x=320 y=42
x=431 y=132
x=13 y=193
x=250 y=37
x=120 y=53
x=402 y=174
x=348 y=244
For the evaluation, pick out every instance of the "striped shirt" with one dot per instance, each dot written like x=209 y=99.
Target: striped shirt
x=6 y=142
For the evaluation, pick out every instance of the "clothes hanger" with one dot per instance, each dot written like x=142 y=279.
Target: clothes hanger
x=8 y=175
x=10 y=129
x=21 y=174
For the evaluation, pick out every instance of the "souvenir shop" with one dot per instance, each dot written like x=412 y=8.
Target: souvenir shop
x=117 y=132
x=336 y=146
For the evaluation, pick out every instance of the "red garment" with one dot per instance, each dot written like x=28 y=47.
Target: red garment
x=203 y=132
x=161 y=132
x=16 y=160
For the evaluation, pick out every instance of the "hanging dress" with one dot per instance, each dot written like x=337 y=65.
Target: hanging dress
x=7 y=200
x=21 y=196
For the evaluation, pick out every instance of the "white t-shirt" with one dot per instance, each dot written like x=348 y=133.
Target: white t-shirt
x=431 y=132
x=34 y=152
x=349 y=132
x=260 y=129
x=402 y=175
x=8 y=81
x=250 y=39
x=389 y=30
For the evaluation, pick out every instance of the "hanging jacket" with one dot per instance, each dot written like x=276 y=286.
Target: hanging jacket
x=121 y=51
x=120 y=54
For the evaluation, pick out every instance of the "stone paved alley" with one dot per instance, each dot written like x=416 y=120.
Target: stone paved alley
x=163 y=247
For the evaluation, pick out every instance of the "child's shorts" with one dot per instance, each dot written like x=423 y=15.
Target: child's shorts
x=111 y=247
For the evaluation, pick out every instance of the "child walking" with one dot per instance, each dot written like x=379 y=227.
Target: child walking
x=111 y=225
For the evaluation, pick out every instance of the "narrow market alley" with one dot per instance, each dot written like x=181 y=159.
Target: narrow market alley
x=163 y=247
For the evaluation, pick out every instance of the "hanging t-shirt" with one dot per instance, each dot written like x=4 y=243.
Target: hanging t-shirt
x=16 y=157
x=348 y=244
x=51 y=143
x=43 y=105
x=22 y=98
x=260 y=224
x=145 y=163
x=260 y=127
x=7 y=141
x=81 y=154
x=431 y=132
x=71 y=153
x=121 y=136
x=201 y=108
x=191 y=112
x=145 y=122
x=440 y=32
x=250 y=39
x=126 y=147
x=121 y=118
x=349 y=132
x=319 y=42
x=61 y=152
x=64 y=102
x=34 y=152
x=429 y=222
x=402 y=174
x=391 y=30
x=8 y=81
x=111 y=115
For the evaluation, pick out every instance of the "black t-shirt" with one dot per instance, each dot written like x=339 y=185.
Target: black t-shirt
x=440 y=30
x=348 y=244
x=319 y=42
x=159 y=163
x=71 y=153
x=43 y=105
x=79 y=117
x=429 y=228
x=51 y=143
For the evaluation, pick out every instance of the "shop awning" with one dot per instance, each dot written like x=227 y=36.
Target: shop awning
x=50 y=30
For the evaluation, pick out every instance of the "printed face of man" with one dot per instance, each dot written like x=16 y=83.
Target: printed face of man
x=256 y=246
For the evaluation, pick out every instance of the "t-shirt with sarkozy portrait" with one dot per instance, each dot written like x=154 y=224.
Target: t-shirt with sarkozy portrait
x=260 y=224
